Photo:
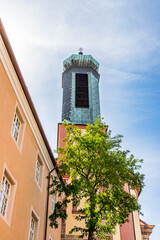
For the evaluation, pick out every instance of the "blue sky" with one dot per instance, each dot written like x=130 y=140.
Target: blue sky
x=124 y=37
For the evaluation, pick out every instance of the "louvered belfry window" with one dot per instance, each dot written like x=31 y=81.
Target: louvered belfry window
x=82 y=99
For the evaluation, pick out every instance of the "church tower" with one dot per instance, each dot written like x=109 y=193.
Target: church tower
x=80 y=83
x=81 y=105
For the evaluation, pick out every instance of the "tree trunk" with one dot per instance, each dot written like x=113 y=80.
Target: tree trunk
x=90 y=235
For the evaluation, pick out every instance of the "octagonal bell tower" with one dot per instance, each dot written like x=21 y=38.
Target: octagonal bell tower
x=80 y=83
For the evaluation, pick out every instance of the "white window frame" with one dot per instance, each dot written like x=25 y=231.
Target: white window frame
x=53 y=202
x=18 y=127
x=54 y=197
x=39 y=171
x=10 y=196
x=34 y=218
x=50 y=238
x=32 y=228
x=4 y=195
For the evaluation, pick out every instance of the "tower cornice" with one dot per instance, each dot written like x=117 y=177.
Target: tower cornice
x=78 y=60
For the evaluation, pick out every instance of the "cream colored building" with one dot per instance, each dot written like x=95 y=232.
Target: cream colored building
x=26 y=158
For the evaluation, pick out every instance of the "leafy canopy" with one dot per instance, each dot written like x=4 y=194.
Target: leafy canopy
x=98 y=169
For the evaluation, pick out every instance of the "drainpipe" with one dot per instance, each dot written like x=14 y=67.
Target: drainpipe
x=133 y=226
x=45 y=233
x=133 y=218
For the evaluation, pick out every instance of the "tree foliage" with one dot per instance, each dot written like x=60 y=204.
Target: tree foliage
x=98 y=169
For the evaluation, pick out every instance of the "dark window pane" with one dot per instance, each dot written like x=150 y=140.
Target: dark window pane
x=82 y=99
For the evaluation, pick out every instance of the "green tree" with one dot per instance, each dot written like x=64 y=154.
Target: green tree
x=98 y=170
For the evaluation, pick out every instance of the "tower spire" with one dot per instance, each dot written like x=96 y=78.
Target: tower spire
x=80 y=51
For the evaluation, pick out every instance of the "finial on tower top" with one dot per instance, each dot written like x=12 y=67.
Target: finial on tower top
x=80 y=51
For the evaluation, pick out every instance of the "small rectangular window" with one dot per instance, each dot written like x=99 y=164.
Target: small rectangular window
x=82 y=98
x=32 y=229
x=34 y=226
x=18 y=127
x=54 y=200
x=39 y=171
x=7 y=195
x=4 y=195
